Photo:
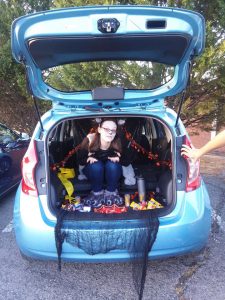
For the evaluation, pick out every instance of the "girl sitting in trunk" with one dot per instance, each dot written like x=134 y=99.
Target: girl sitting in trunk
x=100 y=153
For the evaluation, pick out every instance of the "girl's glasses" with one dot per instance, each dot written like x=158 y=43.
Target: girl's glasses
x=108 y=130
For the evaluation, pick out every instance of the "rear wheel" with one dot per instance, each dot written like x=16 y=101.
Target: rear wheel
x=26 y=258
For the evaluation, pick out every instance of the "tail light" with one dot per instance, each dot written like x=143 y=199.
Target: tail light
x=193 y=176
x=28 y=165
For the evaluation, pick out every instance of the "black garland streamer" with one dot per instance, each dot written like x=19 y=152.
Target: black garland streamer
x=111 y=234
x=106 y=236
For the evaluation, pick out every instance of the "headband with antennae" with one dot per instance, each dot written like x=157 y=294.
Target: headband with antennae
x=118 y=121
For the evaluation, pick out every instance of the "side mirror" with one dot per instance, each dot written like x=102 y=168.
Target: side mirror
x=24 y=136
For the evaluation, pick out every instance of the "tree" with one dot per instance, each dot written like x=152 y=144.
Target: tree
x=11 y=72
x=204 y=101
x=88 y=75
x=12 y=78
x=129 y=74
x=205 y=98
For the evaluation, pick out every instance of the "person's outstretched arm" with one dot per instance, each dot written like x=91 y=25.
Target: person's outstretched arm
x=217 y=142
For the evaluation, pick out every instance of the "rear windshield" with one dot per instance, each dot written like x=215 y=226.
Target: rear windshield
x=126 y=74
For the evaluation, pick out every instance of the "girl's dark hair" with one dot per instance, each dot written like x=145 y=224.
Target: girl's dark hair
x=115 y=144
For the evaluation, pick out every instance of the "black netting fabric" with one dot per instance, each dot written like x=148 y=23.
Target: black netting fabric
x=95 y=233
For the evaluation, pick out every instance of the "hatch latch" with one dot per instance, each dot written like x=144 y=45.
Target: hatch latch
x=108 y=25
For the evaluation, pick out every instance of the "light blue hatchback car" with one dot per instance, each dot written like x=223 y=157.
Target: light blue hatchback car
x=120 y=62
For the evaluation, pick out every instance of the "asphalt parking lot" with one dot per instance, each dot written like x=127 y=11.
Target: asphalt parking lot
x=190 y=277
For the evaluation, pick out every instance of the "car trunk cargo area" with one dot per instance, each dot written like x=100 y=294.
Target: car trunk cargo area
x=146 y=153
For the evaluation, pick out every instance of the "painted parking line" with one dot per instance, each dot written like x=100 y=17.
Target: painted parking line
x=8 y=228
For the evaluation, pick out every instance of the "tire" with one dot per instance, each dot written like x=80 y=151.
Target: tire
x=26 y=258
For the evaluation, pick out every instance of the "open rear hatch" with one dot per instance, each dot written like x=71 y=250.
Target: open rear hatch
x=43 y=41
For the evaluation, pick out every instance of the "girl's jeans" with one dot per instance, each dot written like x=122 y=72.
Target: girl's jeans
x=100 y=171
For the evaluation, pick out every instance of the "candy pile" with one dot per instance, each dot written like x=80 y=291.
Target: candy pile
x=144 y=205
x=113 y=209
x=138 y=203
x=132 y=201
x=75 y=205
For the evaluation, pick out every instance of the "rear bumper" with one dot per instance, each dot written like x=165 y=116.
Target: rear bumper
x=183 y=231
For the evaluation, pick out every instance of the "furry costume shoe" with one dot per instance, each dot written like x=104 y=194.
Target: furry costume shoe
x=94 y=199
x=111 y=198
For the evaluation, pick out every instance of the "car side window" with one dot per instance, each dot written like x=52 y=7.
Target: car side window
x=6 y=135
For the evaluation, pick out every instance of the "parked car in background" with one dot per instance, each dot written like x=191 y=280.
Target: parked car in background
x=13 y=146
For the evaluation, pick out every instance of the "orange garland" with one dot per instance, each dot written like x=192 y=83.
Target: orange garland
x=62 y=163
x=143 y=151
x=133 y=144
